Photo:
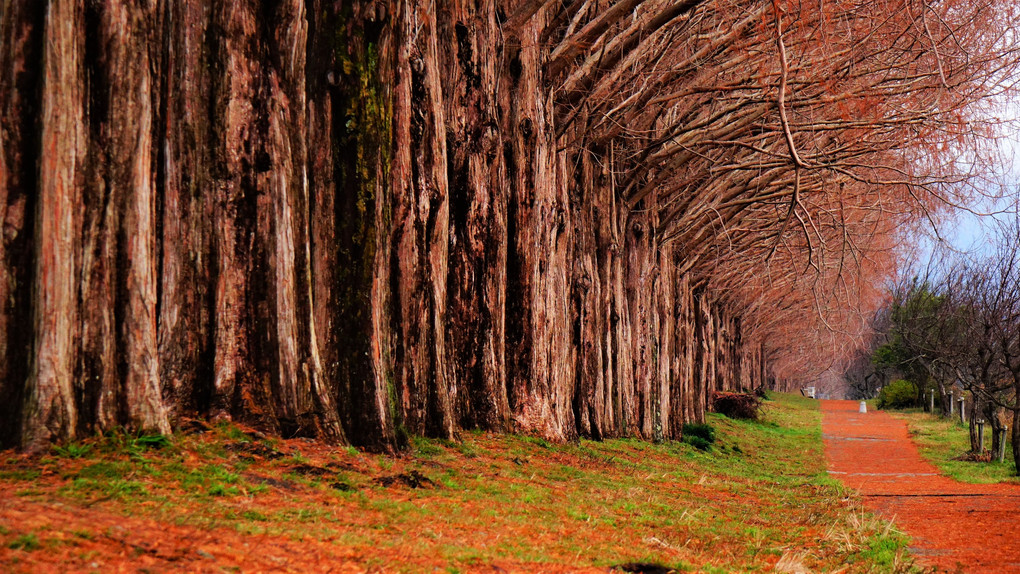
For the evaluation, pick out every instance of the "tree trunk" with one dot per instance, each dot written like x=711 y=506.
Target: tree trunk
x=353 y=222
x=976 y=409
x=991 y=414
x=1014 y=440
x=22 y=46
x=49 y=411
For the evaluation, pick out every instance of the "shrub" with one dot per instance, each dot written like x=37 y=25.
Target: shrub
x=702 y=430
x=737 y=405
x=899 y=394
x=698 y=442
x=699 y=435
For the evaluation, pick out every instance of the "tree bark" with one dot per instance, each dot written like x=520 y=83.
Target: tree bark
x=22 y=45
x=50 y=412
x=356 y=221
x=1014 y=439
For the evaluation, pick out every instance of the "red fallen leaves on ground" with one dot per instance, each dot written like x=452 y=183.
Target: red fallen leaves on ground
x=225 y=499
x=92 y=539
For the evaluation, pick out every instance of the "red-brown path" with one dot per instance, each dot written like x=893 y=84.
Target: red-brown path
x=973 y=528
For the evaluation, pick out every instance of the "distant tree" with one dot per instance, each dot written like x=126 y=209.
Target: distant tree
x=962 y=331
x=916 y=336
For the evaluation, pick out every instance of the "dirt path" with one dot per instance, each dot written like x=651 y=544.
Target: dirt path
x=954 y=526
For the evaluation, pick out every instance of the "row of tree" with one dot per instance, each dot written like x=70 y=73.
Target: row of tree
x=368 y=218
x=953 y=333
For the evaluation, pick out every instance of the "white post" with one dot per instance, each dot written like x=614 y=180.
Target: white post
x=952 y=407
x=963 y=418
x=863 y=408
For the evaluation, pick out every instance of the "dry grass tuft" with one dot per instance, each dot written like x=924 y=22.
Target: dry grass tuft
x=793 y=563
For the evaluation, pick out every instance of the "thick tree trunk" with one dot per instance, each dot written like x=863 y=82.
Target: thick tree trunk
x=119 y=268
x=49 y=411
x=22 y=45
x=186 y=306
x=421 y=226
x=350 y=221
x=475 y=101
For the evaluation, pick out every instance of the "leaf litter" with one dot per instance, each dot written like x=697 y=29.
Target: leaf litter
x=229 y=498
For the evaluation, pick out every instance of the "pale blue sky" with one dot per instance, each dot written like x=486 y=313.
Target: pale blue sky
x=972 y=229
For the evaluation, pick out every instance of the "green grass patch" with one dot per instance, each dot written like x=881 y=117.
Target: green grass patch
x=426 y=448
x=83 y=534
x=72 y=450
x=254 y=515
x=20 y=474
x=26 y=542
x=107 y=470
x=942 y=440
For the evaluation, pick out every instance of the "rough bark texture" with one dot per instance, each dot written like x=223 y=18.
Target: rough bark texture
x=354 y=221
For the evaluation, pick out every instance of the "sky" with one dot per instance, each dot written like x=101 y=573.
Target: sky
x=972 y=230
x=973 y=233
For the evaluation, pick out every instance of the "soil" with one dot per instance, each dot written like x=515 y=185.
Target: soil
x=954 y=527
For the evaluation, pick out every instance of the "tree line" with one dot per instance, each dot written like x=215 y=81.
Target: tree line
x=955 y=334
x=367 y=219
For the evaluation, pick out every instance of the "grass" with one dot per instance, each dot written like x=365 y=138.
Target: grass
x=72 y=450
x=758 y=500
x=942 y=440
x=27 y=542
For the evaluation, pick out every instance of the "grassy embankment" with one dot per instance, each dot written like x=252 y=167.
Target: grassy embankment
x=942 y=441
x=223 y=498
